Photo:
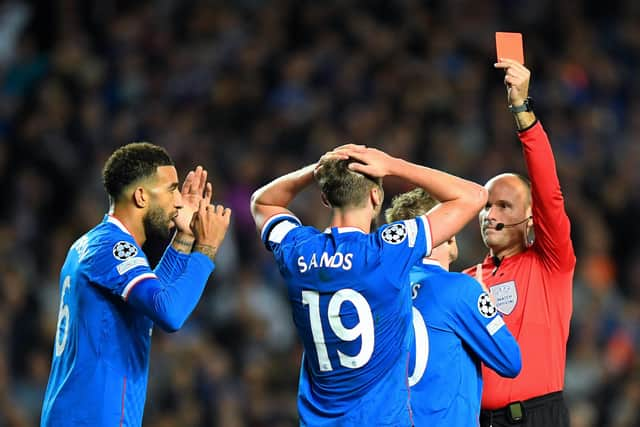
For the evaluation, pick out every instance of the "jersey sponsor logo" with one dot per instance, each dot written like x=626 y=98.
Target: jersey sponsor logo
x=395 y=234
x=131 y=263
x=485 y=306
x=506 y=296
x=124 y=250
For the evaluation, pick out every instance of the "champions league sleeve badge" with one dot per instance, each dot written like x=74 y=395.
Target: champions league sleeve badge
x=485 y=306
x=124 y=250
x=395 y=234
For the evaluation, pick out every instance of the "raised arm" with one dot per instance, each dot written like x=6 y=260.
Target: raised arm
x=461 y=200
x=195 y=189
x=169 y=303
x=550 y=220
x=274 y=197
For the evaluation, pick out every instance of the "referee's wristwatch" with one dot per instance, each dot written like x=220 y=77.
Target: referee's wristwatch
x=526 y=106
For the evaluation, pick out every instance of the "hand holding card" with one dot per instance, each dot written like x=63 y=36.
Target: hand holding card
x=509 y=46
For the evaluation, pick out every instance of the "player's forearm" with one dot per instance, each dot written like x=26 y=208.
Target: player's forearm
x=170 y=304
x=505 y=359
x=441 y=185
x=171 y=265
x=281 y=191
x=461 y=200
x=273 y=198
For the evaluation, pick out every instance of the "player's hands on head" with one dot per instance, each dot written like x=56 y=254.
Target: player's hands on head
x=373 y=162
x=194 y=188
x=335 y=154
x=516 y=78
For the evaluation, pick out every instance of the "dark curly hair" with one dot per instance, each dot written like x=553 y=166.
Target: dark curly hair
x=131 y=163
x=342 y=186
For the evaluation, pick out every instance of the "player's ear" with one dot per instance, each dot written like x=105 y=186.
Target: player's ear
x=325 y=202
x=376 y=197
x=140 y=197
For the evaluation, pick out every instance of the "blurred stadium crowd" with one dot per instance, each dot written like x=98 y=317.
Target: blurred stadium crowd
x=252 y=89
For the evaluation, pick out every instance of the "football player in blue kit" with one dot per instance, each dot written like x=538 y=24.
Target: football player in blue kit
x=110 y=298
x=348 y=285
x=456 y=325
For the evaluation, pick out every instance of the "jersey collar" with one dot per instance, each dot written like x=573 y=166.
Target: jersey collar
x=113 y=220
x=431 y=261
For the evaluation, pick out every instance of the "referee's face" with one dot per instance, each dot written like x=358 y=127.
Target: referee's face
x=508 y=204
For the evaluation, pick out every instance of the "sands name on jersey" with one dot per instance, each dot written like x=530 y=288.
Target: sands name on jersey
x=326 y=260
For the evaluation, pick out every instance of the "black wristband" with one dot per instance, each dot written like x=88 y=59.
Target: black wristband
x=527 y=105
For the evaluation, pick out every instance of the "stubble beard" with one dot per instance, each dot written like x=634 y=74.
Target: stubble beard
x=156 y=222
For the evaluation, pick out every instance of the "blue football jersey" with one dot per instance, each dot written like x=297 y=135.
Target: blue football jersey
x=456 y=327
x=101 y=351
x=351 y=305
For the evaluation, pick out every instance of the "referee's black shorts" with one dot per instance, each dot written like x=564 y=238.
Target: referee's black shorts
x=548 y=410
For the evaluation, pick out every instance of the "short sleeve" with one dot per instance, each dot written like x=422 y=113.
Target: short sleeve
x=276 y=229
x=403 y=244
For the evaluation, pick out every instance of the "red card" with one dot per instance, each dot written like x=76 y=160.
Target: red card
x=509 y=46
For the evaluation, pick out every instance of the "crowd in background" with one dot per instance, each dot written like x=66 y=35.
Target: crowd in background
x=252 y=89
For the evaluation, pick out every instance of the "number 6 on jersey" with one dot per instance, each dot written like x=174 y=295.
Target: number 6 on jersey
x=64 y=317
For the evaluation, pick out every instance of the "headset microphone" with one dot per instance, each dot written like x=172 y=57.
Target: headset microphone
x=499 y=226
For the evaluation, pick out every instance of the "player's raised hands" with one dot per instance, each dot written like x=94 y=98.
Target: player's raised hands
x=194 y=189
x=370 y=161
x=516 y=79
x=209 y=226
x=338 y=153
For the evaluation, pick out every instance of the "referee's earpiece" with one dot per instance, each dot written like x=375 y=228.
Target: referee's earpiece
x=530 y=233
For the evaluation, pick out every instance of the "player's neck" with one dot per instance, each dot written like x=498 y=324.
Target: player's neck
x=441 y=255
x=130 y=220
x=358 y=218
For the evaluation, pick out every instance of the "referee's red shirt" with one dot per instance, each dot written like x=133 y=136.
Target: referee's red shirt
x=533 y=289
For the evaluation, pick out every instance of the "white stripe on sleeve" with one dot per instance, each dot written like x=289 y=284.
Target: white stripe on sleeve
x=412 y=231
x=135 y=281
x=280 y=230
x=427 y=234
x=278 y=217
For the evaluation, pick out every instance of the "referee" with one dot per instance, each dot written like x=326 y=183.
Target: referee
x=529 y=272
